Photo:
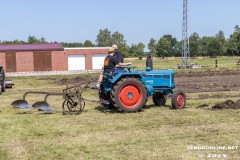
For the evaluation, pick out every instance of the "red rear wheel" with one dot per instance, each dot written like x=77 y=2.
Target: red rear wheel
x=129 y=94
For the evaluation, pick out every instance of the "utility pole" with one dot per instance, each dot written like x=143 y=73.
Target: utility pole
x=185 y=39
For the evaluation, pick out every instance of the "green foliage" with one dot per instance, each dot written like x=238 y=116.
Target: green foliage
x=234 y=42
x=178 y=49
x=75 y=44
x=137 y=50
x=33 y=40
x=194 y=44
x=223 y=43
x=118 y=38
x=237 y=29
x=210 y=46
x=166 y=46
x=152 y=46
x=88 y=43
x=104 y=38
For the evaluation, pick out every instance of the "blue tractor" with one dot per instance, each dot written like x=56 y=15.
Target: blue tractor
x=129 y=91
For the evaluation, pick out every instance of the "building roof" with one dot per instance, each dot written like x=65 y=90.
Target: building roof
x=31 y=47
x=78 y=48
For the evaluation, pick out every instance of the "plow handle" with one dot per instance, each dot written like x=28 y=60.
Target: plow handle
x=40 y=92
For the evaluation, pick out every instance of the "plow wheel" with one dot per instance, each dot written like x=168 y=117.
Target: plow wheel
x=129 y=94
x=74 y=105
x=178 y=100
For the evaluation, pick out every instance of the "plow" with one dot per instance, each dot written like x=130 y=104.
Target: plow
x=73 y=101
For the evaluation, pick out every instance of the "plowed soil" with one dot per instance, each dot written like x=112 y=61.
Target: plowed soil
x=211 y=81
x=208 y=81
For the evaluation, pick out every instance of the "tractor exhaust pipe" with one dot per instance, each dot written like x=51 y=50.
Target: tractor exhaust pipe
x=149 y=63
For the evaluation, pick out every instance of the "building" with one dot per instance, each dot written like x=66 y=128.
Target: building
x=86 y=58
x=50 y=57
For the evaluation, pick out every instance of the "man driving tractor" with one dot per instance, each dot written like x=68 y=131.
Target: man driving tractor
x=110 y=63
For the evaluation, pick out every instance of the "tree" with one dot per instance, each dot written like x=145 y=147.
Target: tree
x=88 y=43
x=194 y=41
x=32 y=39
x=137 y=50
x=118 y=39
x=16 y=41
x=178 y=49
x=42 y=40
x=234 y=43
x=236 y=28
x=214 y=47
x=104 y=38
x=152 y=46
x=210 y=46
x=223 y=43
x=166 y=46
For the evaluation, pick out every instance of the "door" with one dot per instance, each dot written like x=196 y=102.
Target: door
x=42 y=61
x=10 y=60
x=76 y=62
x=98 y=60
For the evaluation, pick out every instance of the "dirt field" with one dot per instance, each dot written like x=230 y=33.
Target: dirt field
x=208 y=81
x=211 y=81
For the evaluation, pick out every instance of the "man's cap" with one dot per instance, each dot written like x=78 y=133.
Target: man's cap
x=114 y=46
x=110 y=50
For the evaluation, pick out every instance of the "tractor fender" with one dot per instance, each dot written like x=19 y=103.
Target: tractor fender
x=123 y=75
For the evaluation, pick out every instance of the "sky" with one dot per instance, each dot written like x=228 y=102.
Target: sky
x=137 y=20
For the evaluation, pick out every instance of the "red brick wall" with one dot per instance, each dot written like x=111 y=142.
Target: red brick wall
x=59 y=61
x=2 y=60
x=88 y=54
x=24 y=62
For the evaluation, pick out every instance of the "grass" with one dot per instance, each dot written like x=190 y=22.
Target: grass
x=155 y=133
x=172 y=62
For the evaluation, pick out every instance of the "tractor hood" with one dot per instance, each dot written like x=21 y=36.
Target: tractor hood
x=157 y=72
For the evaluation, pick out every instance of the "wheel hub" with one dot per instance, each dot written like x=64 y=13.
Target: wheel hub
x=180 y=101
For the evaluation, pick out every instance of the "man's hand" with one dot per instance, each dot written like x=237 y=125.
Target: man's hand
x=129 y=63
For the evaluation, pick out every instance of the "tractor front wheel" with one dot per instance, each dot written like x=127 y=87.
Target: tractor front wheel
x=178 y=99
x=159 y=99
x=129 y=94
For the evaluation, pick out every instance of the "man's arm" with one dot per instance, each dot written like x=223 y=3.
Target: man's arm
x=124 y=64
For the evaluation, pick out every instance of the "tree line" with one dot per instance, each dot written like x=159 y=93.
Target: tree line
x=165 y=46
